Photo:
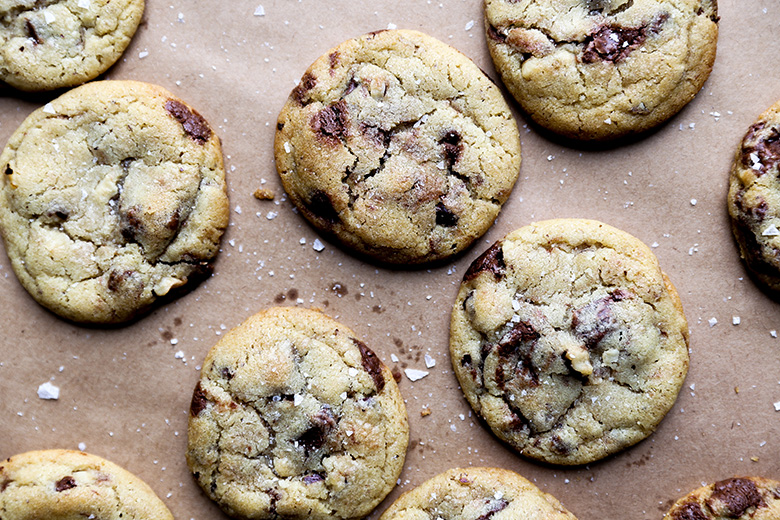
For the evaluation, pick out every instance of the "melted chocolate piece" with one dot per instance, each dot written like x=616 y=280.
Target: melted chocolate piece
x=452 y=147
x=193 y=123
x=314 y=438
x=117 y=278
x=331 y=122
x=737 y=495
x=8 y=170
x=689 y=511
x=614 y=43
x=64 y=484
x=560 y=447
x=491 y=260
x=313 y=478
x=131 y=224
x=445 y=217
x=495 y=507
x=519 y=334
x=335 y=59
x=371 y=364
x=32 y=32
x=299 y=93
x=320 y=206
x=596 y=319
x=275 y=496
x=766 y=149
x=495 y=35
x=199 y=400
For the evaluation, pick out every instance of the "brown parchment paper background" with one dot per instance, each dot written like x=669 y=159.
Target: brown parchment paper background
x=125 y=392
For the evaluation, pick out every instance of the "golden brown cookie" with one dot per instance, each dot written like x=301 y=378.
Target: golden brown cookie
x=745 y=498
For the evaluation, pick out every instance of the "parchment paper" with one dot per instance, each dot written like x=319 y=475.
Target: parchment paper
x=125 y=392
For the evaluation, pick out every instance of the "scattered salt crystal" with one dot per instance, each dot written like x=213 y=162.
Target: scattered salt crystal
x=287 y=147
x=693 y=202
x=48 y=391
x=469 y=25
x=49 y=17
x=49 y=108
x=143 y=54
x=429 y=361
x=343 y=396
x=352 y=371
x=238 y=209
x=735 y=320
x=394 y=358
x=297 y=399
x=272 y=215
x=655 y=244
x=82 y=446
x=712 y=322
x=608 y=121
x=179 y=354
x=773 y=333
x=318 y=246
x=777 y=406
x=302 y=241
x=84 y=4
x=259 y=10
x=414 y=374
x=771 y=231
x=391 y=26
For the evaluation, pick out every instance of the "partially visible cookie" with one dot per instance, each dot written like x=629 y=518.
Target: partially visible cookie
x=754 y=198
x=602 y=69
x=295 y=417
x=745 y=498
x=73 y=485
x=569 y=340
x=477 y=494
x=111 y=196
x=51 y=44
x=399 y=146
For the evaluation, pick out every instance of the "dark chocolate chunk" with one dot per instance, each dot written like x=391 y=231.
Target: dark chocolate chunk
x=175 y=221
x=193 y=123
x=321 y=207
x=64 y=484
x=766 y=149
x=375 y=134
x=452 y=146
x=512 y=340
x=331 y=122
x=117 y=278
x=32 y=32
x=495 y=507
x=597 y=319
x=8 y=170
x=444 y=216
x=688 y=511
x=227 y=373
x=299 y=93
x=614 y=43
x=495 y=35
x=737 y=495
x=335 y=59
x=314 y=438
x=559 y=446
x=371 y=364
x=313 y=478
x=199 y=400
x=275 y=497
x=491 y=260
x=131 y=224
x=351 y=85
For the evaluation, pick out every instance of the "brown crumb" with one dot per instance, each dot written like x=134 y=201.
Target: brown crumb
x=736 y=389
x=264 y=194
x=396 y=374
x=425 y=412
x=754 y=459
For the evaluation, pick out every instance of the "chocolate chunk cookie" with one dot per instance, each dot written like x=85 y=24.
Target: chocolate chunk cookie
x=602 y=69
x=477 y=494
x=111 y=196
x=48 y=44
x=746 y=498
x=754 y=198
x=295 y=417
x=72 y=485
x=399 y=146
x=569 y=340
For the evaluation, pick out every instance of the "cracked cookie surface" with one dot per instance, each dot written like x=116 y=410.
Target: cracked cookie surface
x=602 y=69
x=49 y=44
x=73 y=485
x=399 y=146
x=111 y=196
x=569 y=340
x=295 y=417
x=477 y=494
x=741 y=498
x=754 y=198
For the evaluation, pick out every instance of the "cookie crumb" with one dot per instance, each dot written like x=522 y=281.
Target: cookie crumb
x=48 y=391
x=425 y=412
x=754 y=459
x=264 y=194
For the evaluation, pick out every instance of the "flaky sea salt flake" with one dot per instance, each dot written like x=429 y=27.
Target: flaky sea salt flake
x=84 y=4
x=49 y=108
x=771 y=231
x=259 y=10
x=429 y=361
x=415 y=375
x=49 y=17
x=48 y=391
x=318 y=245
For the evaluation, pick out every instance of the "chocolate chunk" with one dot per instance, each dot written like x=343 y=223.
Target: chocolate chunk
x=227 y=373
x=559 y=446
x=614 y=43
x=275 y=497
x=300 y=92
x=175 y=220
x=466 y=360
x=193 y=123
x=375 y=134
x=4 y=482
x=314 y=438
x=8 y=170
x=131 y=224
x=313 y=478
x=32 y=32
x=495 y=507
x=495 y=35
x=59 y=212
x=452 y=147
x=371 y=364
x=595 y=320
x=516 y=349
x=765 y=153
x=64 y=484
x=199 y=400
x=688 y=511
x=444 y=216
x=351 y=85
x=117 y=278
x=512 y=340
x=335 y=59
x=737 y=495
x=331 y=122
x=321 y=207
x=491 y=260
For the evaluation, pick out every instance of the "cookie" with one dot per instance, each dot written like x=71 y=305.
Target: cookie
x=754 y=198
x=51 y=44
x=477 y=494
x=111 y=196
x=602 y=69
x=399 y=146
x=746 y=498
x=569 y=340
x=73 y=485
x=295 y=417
